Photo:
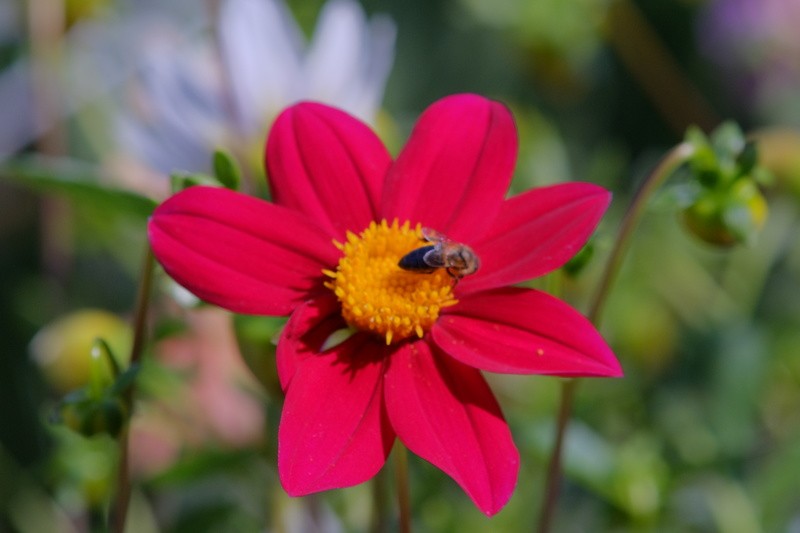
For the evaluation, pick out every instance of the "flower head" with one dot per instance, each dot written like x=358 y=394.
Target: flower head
x=326 y=252
x=193 y=97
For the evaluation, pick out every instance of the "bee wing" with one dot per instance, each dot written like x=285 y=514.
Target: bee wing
x=431 y=235
x=434 y=258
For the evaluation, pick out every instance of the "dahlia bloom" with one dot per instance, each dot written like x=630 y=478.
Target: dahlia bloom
x=372 y=352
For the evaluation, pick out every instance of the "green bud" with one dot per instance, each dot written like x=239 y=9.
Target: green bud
x=747 y=159
x=727 y=207
x=93 y=416
x=728 y=217
x=92 y=410
x=723 y=157
x=727 y=141
x=103 y=368
x=703 y=162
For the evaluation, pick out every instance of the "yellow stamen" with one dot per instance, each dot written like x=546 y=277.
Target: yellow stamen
x=376 y=294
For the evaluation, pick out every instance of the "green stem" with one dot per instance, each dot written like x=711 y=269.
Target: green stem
x=380 y=523
x=553 y=480
x=401 y=480
x=97 y=519
x=663 y=170
x=672 y=160
x=123 y=495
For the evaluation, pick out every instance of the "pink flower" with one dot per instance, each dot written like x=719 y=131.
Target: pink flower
x=325 y=252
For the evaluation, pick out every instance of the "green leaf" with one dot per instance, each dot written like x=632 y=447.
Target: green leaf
x=227 y=169
x=103 y=349
x=728 y=140
x=76 y=180
x=703 y=161
x=181 y=180
x=202 y=464
x=125 y=380
x=747 y=158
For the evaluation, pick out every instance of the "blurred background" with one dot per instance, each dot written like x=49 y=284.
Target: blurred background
x=101 y=101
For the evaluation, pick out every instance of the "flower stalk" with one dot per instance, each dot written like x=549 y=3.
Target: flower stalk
x=380 y=502
x=401 y=481
x=123 y=495
x=677 y=156
x=554 y=466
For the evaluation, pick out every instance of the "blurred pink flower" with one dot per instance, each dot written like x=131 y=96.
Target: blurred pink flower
x=218 y=402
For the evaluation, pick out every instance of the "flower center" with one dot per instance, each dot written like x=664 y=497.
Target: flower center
x=376 y=294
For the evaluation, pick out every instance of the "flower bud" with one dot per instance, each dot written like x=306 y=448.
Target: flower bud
x=728 y=217
x=90 y=416
x=63 y=348
x=723 y=204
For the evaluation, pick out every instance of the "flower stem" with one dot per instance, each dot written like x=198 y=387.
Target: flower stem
x=122 y=499
x=663 y=170
x=553 y=480
x=380 y=523
x=673 y=159
x=401 y=480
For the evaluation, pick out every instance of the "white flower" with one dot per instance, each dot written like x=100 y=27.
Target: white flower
x=195 y=96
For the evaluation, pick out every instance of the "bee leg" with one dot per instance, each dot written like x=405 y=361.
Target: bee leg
x=453 y=275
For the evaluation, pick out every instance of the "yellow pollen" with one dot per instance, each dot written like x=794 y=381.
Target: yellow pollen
x=376 y=294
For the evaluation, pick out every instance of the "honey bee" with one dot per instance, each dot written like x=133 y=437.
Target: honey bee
x=457 y=259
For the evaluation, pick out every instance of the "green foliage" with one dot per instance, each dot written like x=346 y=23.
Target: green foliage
x=702 y=433
x=77 y=181
x=227 y=173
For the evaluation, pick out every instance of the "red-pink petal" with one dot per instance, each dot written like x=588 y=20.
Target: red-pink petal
x=239 y=252
x=308 y=327
x=334 y=431
x=445 y=412
x=523 y=331
x=455 y=169
x=536 y=232
x=327 y=164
